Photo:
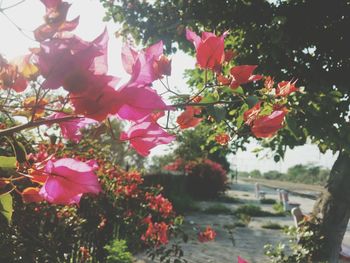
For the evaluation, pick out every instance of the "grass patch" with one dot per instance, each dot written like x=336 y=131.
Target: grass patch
x=218 y=209
x=268 y=201
x=253 y=211
x=228 y=199
x=271 y=225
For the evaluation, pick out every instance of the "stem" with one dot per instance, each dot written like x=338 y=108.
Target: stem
x=29 y=125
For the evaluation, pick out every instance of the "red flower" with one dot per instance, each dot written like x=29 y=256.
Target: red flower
x=162 y=66
x=252 y=114
x=187 y=118
x=229 y=55
x=160 y=204
x=10 y=77
x=156 y=232
x=243 y=74
x=210 y=49
x=31 y=194
x=269 y=82
x=208 y=235
x=284 y=88
x=267 y=126
x=222 y=138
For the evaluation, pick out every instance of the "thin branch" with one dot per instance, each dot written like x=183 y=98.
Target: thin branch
x=11 y=6
x=179 y=105
x=29 y=125
x=16 y=26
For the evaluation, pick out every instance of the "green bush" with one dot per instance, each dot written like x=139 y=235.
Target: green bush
x=218 y=209
x=118 y=252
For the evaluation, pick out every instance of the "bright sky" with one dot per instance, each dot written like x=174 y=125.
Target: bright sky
x=28 y=16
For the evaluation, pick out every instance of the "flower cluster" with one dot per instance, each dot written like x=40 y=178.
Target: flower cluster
x=208 y=235
x=160 y=204
x=266 y=117
x=156 y=232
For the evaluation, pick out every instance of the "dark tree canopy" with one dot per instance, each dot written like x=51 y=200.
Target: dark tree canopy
x=304 y=40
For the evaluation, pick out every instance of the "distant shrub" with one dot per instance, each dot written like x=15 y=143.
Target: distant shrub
x=268 y=201
x=228 y=199
x=252 y=210
x=205 y=178
x=272 y=225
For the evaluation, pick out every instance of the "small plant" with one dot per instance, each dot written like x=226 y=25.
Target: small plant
x=278 y=207
x=218 y=209
x=244 y=219
x=118 y=252
x=272 y=225
x=305 y=244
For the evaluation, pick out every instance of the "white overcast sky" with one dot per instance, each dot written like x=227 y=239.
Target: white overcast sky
x=29 y=15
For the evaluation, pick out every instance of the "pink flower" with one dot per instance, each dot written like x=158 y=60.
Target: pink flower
x=68 y=179
x=55 y=20
x=98 y=99
x=241 y=260
x=142 y=66
x=146 y=135
x=69 y=60
x=210 y=49
x=139 y=102
x=71 y=129
x=243 y=74
x=51 y=4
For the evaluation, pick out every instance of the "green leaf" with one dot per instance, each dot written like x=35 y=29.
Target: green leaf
x=292 y=126
x=210 y=98
x=20 y=151
x=240 y=119
x=252 y=100
x=7 y=162
x=239 y=90
x=276 y=158
x=219 y=114
x=6 y=208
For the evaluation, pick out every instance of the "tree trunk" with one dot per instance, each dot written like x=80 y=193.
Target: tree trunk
x=334 y=208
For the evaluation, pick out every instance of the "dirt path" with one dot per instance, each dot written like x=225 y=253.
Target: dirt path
x=249 y=241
